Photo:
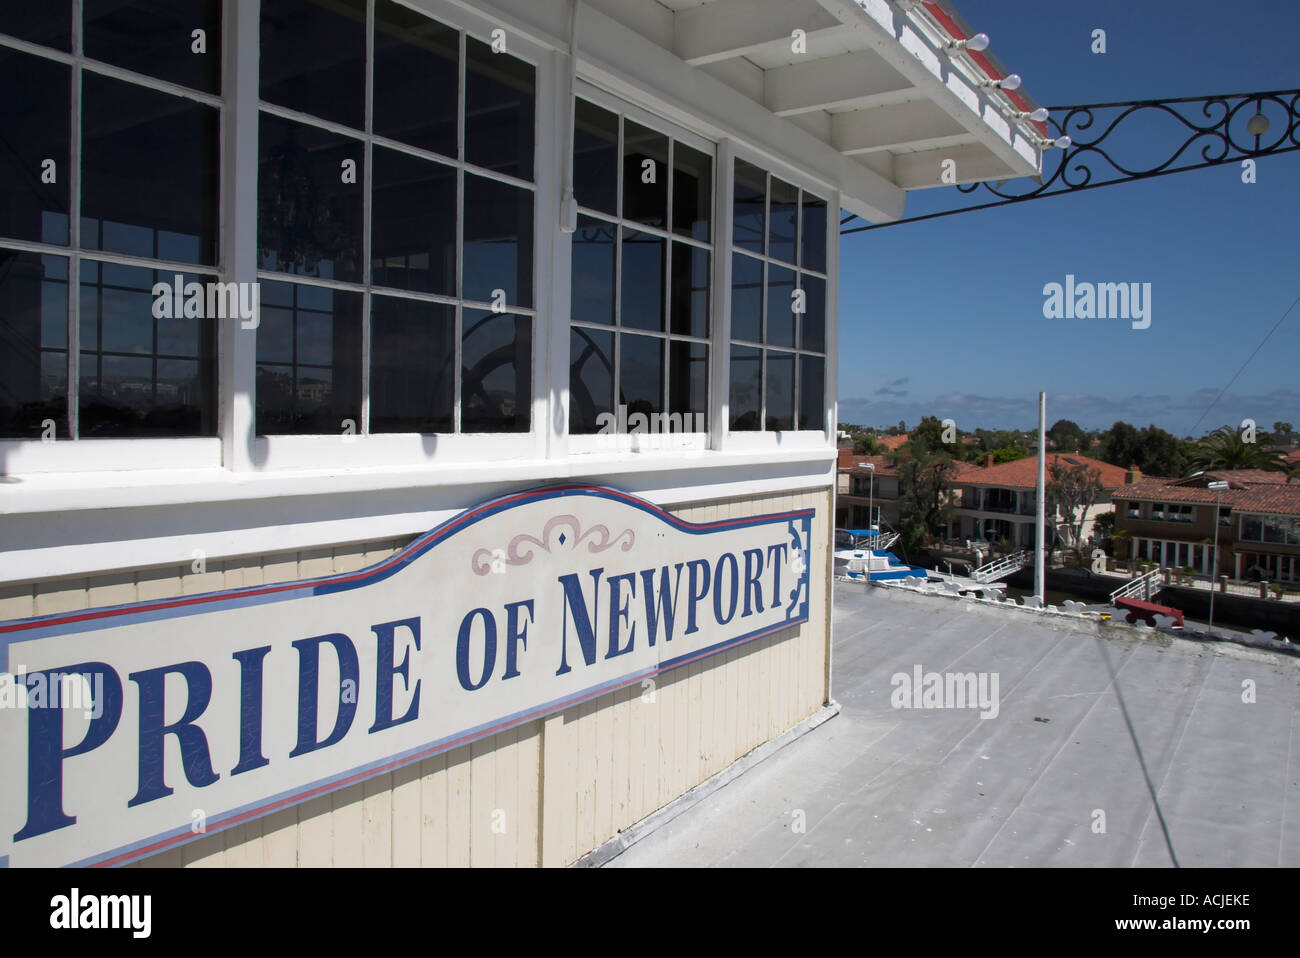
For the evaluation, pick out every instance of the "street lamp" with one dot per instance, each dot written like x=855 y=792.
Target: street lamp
x=1218 y=488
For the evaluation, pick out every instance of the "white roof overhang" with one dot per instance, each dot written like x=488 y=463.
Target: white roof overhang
x=873 y=106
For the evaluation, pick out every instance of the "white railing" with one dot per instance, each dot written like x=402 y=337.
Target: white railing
x=1137 y=587
x=1000 y=568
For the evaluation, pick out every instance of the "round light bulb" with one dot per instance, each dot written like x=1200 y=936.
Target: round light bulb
x=978 y=42
x=1257 y=125
x=1010 y=83
x=1062 y=142
x=1040 y=115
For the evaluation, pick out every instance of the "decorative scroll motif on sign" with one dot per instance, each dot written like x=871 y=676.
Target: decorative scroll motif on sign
x=560 y=534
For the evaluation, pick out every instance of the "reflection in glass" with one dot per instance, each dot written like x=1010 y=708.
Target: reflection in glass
x=690 y=290
x=595 y=158
x=500 y=96
x=645 y=175
x=35 y=112
x=142 y=376
x=417 y=79
x=498 y=248
x=591 y=379
x=748 y=204
x=746 y=298
x=812 y=392
x=412 y=365
x=784 y=217
x=413 y=211
x=308 y=360
x=780 y=391
x=308 y=220
x=688 y=384
x=814 y=233
x=746 y=389
x=641 y=374
x=33 y=344
x=593 y=271
x=642 y=295
x=314 y=58
x=692 y=192
x=497 y=372
x=155 y=37
x=812 y=324
x=150 y=168
x=780 y=306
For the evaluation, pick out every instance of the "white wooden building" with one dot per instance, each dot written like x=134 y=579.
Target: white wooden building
x=579 y=252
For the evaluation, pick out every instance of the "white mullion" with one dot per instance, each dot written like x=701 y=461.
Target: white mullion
x=552 y=263
x=830 y=368
x=73 y=391
x=719 y=399
x=151 y=82
x=367 y=204
x=618 y=269
x=667 y=315
x=462 y=74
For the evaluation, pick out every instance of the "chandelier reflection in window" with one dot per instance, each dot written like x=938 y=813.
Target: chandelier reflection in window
x=300 y=226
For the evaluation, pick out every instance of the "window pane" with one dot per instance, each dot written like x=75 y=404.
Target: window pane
x=746 y=384
x=780 y=306
x=35 y=117
x=33 y=344
x=417 y=79
x=314 y=58
x=784 y=214
x=593 y=271
x=498 y=247
x=1251 y=528
x=814 y=233
x=748 y=201
x=692 y=192
x=308 y=361
x=643 y=281
x=496 y=381
x=155 y=37
x=688 y=385
x=591 y=379
x=812 y=392
x=690 y=290
x=499 y=110
x=645 y=175
x=595 y=158
x=641 y=374
x=48 y=23
x=412 y=365
x=413 y=239
x=150 y=171
x=141 y=375
x=812 y=324
x=308 y=219
x=746 y=298
x=780 y=391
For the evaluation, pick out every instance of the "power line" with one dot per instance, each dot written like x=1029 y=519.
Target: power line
x=1246 y=363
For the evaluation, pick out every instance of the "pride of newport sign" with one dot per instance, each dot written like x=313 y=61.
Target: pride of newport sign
x=126 y=731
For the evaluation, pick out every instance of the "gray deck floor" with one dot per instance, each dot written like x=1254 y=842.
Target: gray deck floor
x=1154 y=733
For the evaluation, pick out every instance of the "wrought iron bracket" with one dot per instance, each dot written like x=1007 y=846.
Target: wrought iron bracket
x=1219 y=130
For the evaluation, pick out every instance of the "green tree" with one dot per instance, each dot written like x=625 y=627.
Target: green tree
x=864 y=445
x=925 y=486
x=1226 y=449
x=1073 y=490
x=1154 y=451
x=1067 y=436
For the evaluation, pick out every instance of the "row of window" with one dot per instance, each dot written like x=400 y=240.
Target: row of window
x=395 y=235
x=1279 y=530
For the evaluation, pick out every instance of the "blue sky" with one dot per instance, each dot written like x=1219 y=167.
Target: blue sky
x=945 y=317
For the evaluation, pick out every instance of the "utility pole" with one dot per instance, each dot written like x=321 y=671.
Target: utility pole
x=1040 y=572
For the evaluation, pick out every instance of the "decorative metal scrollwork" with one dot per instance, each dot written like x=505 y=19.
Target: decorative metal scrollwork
x=1219 y=130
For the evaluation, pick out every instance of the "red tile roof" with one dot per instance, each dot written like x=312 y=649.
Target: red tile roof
x=848 y=462
x=1023 y=473
x=1249 y=490
x=892 y=442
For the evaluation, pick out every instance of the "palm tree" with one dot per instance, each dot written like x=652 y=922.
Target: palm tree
x=1226 y=449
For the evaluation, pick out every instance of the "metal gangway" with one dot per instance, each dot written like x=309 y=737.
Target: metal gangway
x=875 y=541
x=1001 y=568
x=1139 y=588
